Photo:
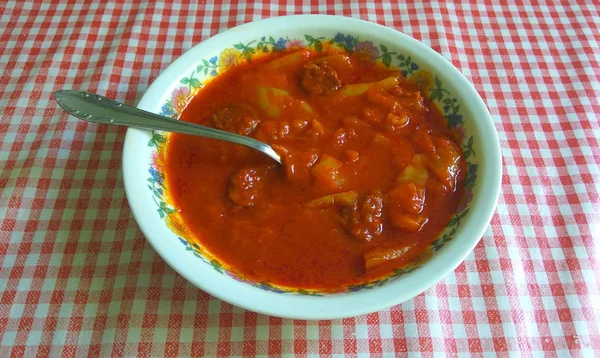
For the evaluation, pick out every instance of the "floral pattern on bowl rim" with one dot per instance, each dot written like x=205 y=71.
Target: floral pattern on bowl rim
x=366 y=50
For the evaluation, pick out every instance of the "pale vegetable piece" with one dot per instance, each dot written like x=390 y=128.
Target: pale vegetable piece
x=415 y=172
x=273 y=100
x=294 y=59
x=305 y=106
x=328 y=173
x=358 y=89
x=327 y=161
x=354 y=89
x=270 y=99
x=347 y=198
x=380 y=139
x=408 y=223
x=279 y=92
x=378 y=256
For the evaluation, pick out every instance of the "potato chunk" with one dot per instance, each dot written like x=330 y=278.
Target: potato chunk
x=271 y=100
x=284 y=63
x=347 y=198
x=357 y=89
x=415 y=172
x=329 y=174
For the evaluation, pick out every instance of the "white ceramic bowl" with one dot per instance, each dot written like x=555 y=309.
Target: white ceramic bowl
x=446 y=85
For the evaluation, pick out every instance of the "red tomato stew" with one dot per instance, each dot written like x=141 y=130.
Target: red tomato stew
x=371 y=174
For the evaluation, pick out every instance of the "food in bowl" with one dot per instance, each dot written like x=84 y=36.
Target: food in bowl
x=371 y=171
x=147 y=185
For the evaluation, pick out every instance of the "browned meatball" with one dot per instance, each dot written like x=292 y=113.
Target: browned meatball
x=236 y=118
x=365 y=220
x=319 y=79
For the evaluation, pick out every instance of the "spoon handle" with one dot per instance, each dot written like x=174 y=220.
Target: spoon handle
x=94 y=108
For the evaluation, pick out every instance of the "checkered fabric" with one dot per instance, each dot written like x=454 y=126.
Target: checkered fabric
x=77 y=277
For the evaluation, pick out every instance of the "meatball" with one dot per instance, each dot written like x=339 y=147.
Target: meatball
x=236 y=118
x=365 y=220
x=319 y=79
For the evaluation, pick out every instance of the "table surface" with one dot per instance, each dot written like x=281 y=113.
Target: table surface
x=78 y=278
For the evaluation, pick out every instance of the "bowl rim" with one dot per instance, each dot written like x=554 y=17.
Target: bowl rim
x=336 y=305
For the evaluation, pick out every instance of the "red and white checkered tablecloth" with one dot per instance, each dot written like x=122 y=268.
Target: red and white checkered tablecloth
x=77 y=277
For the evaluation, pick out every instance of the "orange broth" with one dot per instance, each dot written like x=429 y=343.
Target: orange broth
x=284 y=224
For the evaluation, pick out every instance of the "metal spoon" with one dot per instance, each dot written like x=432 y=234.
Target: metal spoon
x=94 y=108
